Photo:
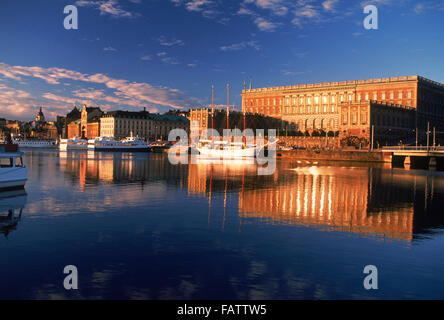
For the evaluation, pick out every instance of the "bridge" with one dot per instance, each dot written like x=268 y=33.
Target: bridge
x=431 y=157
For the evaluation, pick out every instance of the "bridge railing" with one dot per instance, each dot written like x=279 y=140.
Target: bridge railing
x=413 y=148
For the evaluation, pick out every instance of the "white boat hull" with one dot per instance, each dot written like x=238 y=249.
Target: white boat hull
x=13 y=178
x=77 y=146
x=228 y=153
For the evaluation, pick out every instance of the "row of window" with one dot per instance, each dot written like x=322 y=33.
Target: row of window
x=329 y=99
x=316 y=124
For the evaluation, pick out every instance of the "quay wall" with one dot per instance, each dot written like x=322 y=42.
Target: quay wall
x=336 y=155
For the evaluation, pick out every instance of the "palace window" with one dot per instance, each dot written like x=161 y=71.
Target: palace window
x=349 y=97
x=301 y=100
x=400 y=95
x=309 y=100
x=324 y=99
x=316 y=100
x=344 y=118
x=342 y=98
x=375 y=96
x=392 y=96
x=383 y=96
x=333 y=99
x=354 y=118
x=366 y=97
x=359 y=97
x=363 y=118
x=409 y=95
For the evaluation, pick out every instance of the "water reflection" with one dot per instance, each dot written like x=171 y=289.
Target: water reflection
x=11 y=207
x=139 y=227
x=387 y=203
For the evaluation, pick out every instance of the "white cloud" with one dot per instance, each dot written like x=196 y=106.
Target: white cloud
x=241 y=45
x=124 y=92
x=265 y=25
x=329 y=5
x=170 y=42
x=106 y=7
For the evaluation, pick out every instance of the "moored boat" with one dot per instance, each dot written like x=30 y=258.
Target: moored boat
x=75 y=143
x=129 y=144
x=13 y=173
x=35 y=143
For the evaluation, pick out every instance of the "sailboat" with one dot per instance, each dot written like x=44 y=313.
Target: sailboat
x=224 y=149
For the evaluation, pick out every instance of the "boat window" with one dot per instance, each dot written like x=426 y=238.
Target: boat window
x=5 y=162
x=18 y=162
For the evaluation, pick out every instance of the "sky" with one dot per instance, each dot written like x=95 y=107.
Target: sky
x=166 y=54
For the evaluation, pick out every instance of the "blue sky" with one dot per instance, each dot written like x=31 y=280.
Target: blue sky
x=164 y=54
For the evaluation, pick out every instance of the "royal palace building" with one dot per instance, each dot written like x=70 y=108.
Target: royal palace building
x=398 y=104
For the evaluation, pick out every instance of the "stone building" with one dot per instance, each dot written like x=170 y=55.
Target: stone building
x=316 y=106
x=90 y=122
x=121 y=124
x=73 y=129
x=391 y=123
x=202 y=117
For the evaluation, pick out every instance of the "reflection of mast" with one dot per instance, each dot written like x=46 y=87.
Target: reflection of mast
x=225 y=197
x=209 y=198
x=241 y=198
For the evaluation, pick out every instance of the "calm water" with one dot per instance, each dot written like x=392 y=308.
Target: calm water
x=137 y=227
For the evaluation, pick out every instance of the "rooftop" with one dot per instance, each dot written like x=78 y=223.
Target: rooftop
x=346 y=83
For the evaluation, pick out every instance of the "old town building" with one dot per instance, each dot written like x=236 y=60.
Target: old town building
x=121 y=124
x=317 y=106
x=90 y=122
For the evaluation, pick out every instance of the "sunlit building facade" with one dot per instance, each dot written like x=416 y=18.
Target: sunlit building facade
x=317 y=106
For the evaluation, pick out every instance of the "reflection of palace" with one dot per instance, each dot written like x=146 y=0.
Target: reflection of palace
x=358 y=200
x=338 y=201
x=11 y=207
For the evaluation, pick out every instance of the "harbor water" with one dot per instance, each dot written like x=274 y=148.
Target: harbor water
x=138 y=227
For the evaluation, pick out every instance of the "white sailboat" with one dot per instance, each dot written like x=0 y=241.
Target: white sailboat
x=227 y=149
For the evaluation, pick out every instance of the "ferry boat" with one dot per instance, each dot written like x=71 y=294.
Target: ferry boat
x=129 y=144
x=35 y=143
x=75 y=143
x=13 y=173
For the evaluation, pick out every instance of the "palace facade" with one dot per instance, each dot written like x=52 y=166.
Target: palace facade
x=320 y=106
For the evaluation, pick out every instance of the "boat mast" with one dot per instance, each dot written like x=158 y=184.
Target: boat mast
x=212 y=111
x=228 y=105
